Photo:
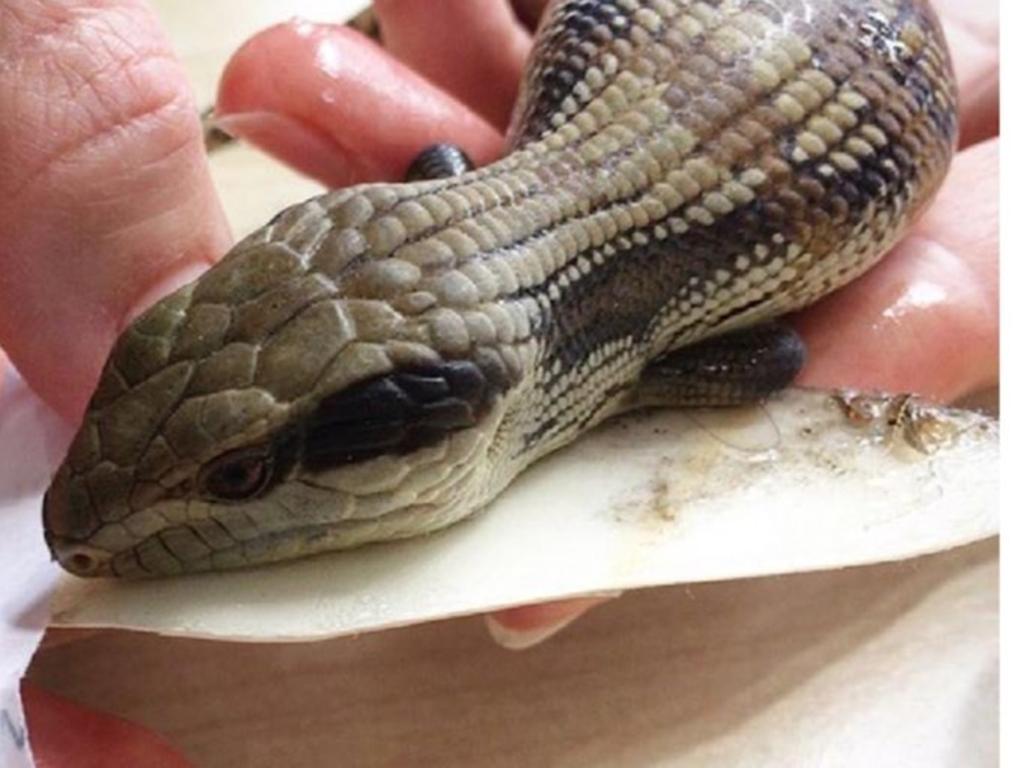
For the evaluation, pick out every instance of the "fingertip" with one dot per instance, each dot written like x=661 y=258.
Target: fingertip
x=980 y=116
x=475 y=50
x=529 y=11
x=521 y=640
x=926 y=319
x=523 y=627
x=308 y=150
x=919 y=322
x=333 y=104
x=104 y=184
x=63 y=733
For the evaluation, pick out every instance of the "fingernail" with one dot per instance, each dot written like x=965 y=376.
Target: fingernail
x=241 y=125
x=558 y=615
x=294 y=141
x=521 y=639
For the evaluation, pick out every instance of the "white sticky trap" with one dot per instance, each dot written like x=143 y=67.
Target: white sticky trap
x=806 y=482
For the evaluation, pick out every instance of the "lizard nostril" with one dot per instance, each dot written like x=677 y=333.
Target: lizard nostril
x=82 y=562
x=81 y=559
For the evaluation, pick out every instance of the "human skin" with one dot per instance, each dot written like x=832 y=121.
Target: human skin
x=106 y=201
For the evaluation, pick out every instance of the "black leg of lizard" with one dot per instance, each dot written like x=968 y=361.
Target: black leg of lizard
x=740 y=367
x=439 y=161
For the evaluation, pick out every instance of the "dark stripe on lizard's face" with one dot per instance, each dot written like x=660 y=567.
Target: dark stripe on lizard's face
x=396 y=414
x=393 y=414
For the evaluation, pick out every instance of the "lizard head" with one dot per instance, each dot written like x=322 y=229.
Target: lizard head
x=327 y=384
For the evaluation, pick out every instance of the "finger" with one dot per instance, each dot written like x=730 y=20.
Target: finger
x=525 y=626
x=926 y=319
x=979 y=118
x=473 y=49
x=334 y=105
x=104 y=190
x=972 y=30
x=529 y=11
x=63 y=734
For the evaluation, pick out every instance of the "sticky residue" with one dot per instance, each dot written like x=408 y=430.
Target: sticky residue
x=907 y=420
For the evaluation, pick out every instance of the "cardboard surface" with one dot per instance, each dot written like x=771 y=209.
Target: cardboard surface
x=890 y=665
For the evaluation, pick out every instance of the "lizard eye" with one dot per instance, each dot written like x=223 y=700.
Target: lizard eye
x=238 y=475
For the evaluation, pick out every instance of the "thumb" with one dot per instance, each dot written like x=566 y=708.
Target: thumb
x=105 y=195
